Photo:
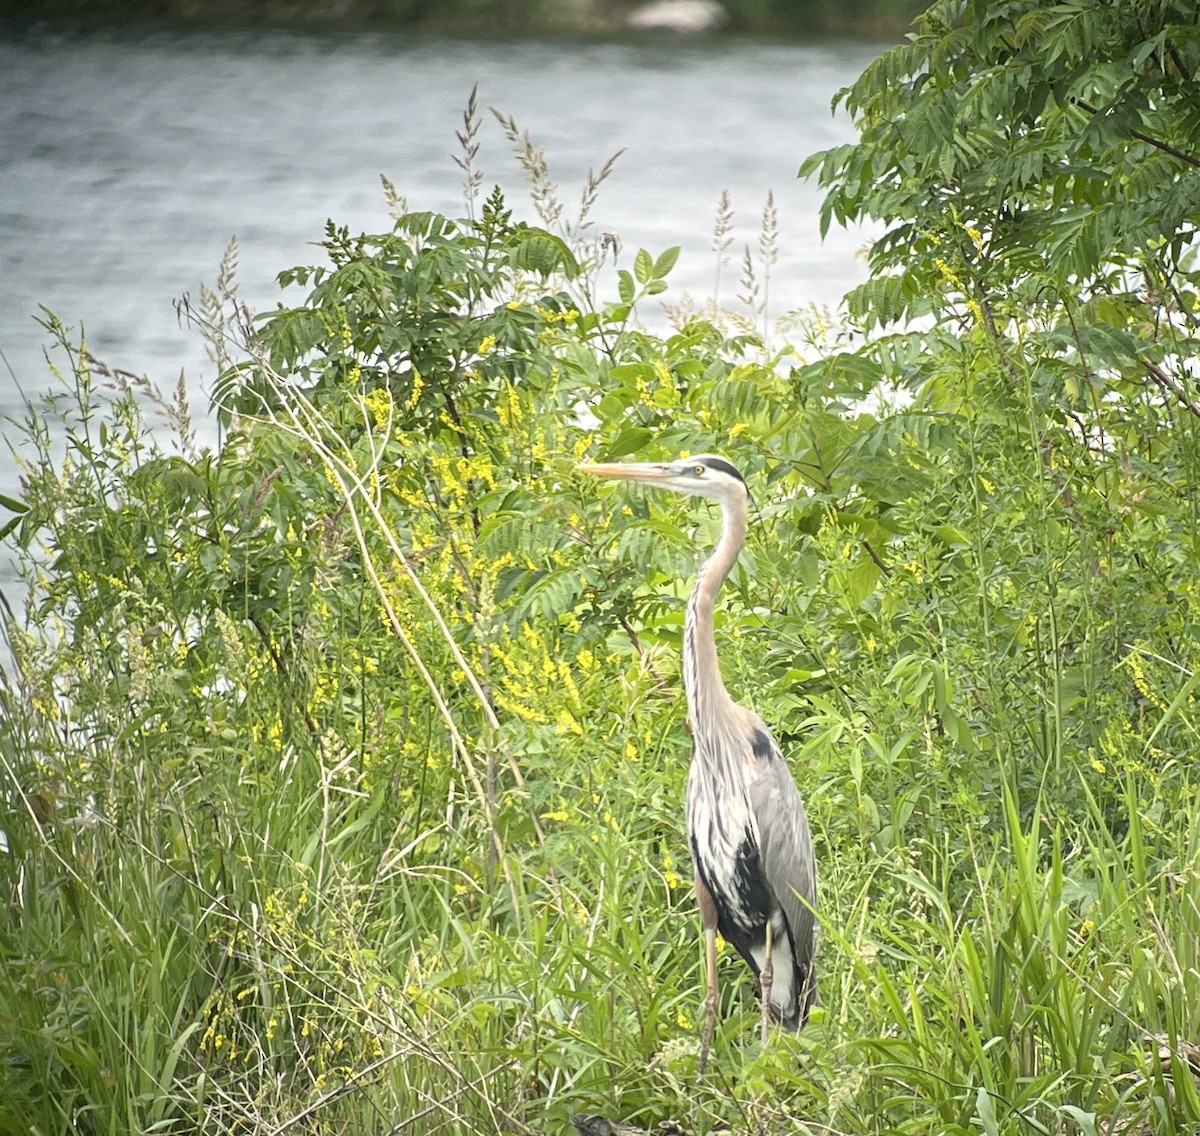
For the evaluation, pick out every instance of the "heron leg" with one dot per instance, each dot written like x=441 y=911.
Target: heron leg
x=708 y=916
x=710 y=999
x=766 y=978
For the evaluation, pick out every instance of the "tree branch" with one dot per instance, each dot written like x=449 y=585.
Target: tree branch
x=1141 y=136
x=1173 y=51
x=1168 y=385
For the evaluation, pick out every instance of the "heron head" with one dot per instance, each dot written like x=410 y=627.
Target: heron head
x=703 y=475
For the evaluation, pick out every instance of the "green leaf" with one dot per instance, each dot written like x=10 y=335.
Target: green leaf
x=543 y=253
x=625 y=286
x=630 y=440
x=986 y=1113
x=610 y=407
x=1085 y=1120
x=664 y=264
x=643 y=267
x=949 y=534
x=293 y=333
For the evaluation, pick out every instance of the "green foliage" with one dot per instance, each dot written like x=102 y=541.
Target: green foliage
x=1036 y=165
x=343 y=765
x=1050 y=146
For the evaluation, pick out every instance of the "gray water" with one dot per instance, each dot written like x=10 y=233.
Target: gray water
x=128 y=160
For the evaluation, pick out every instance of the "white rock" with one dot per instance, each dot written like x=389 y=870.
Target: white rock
x=688 y=17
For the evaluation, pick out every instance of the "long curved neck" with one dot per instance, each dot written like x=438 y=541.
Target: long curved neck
x=702 y=682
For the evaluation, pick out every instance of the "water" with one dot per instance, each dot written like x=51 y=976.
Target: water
x=129 y=159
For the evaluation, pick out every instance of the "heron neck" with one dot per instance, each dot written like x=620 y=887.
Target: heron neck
x=701 y=672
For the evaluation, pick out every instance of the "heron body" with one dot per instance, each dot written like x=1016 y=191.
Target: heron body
x=746 y=887
x=749 y=835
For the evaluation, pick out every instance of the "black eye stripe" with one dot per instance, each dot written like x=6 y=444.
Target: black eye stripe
x=722 y=465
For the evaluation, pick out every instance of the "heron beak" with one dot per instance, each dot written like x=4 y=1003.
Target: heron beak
x=654 y=472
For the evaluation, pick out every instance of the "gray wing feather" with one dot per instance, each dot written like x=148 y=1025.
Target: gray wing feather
x=786 y=854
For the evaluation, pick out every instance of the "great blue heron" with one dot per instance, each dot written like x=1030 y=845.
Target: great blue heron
x=756 y=879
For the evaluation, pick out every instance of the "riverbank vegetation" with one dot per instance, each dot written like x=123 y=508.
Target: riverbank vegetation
x=343 y=765
x=879 y=18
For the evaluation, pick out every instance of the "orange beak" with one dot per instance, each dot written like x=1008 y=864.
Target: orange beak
x=652 y=472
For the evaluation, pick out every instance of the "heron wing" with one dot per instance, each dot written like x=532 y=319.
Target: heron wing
x=786 y=854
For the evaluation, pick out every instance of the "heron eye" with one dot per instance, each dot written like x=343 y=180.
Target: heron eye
x=698 y=470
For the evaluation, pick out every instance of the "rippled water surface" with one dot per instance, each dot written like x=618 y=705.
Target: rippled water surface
x=128 y=160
